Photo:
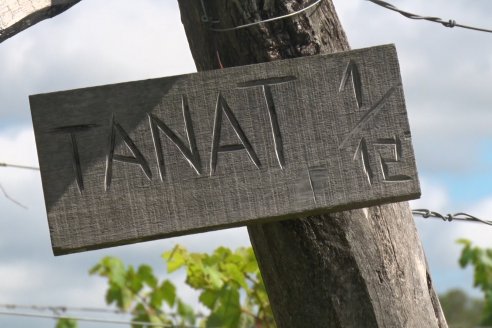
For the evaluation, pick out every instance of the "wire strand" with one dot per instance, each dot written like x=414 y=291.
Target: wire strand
x=7 y=196
x=16 y=166
x=425 y=213
x=86 y=319
x=62 y=309
x=67 y=309
x=450 y=23
x=234 y=28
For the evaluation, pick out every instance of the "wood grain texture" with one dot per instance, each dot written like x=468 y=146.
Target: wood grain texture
x=17 y=15
x=359 y=268
x=150 y=159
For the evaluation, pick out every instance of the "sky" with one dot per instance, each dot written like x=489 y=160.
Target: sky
x=446 y=77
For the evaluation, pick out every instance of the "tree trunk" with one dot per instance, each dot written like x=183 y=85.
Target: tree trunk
x=361 y=268
x=17 y=15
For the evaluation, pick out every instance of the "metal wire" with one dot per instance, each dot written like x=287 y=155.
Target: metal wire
x=425 y=213
x=62 y=309
x=65 y=310
x=205 y=18
x=19 y=166
x=6 y=195
x=54 y=316
x=450 y=23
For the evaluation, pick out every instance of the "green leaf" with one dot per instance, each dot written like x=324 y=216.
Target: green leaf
x=486 y=259
x=156 y=298
x=228 y=313
x=113 y=294
x=165 y=292
x=175 y=259
x=67 y=323
x=146 y=274
x=464 y=242
x=169 y=292
x=195 y=276
x=133 y=280
x=115 y=270
x=213 y=277
x=209 y=298
x=222 y=253
x=233 y=273
x=126 y=299
x=467 y=255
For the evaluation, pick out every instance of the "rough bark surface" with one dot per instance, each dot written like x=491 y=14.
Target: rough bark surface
x=362 y=268
x=17 y=15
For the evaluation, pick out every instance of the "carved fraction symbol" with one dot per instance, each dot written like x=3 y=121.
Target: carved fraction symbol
x=369 y=115
x=353 y=71
x=364 y=154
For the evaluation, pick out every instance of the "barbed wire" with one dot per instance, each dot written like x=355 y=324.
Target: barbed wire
x=449 y=23
x=425 y=213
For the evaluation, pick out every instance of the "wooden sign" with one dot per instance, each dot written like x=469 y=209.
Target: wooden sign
x=150 y=159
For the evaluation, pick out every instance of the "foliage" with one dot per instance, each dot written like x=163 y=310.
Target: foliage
x=139 y=292
x=460 y=310
x=229 y=282
x=481 y=260
x=66 y=323
x=225 y=279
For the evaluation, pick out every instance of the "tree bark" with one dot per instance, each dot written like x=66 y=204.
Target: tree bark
x=17 y=15
x=361 y=268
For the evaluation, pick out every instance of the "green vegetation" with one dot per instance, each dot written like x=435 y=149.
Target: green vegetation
x=229 y=283
x=481 y=260
x=460 y=310
x=231 y=288
x=67 y=323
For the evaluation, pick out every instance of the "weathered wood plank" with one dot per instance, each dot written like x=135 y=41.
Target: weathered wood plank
x=149 y=159
x=17 y=15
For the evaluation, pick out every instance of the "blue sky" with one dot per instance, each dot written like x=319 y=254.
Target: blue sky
x=446 y=76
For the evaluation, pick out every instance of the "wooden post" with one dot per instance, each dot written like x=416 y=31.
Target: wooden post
x=361 y=268
x=17 y=15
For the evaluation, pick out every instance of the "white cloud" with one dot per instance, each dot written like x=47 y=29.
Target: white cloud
x=17 y=279
x=433 y=195
x=478 y=233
